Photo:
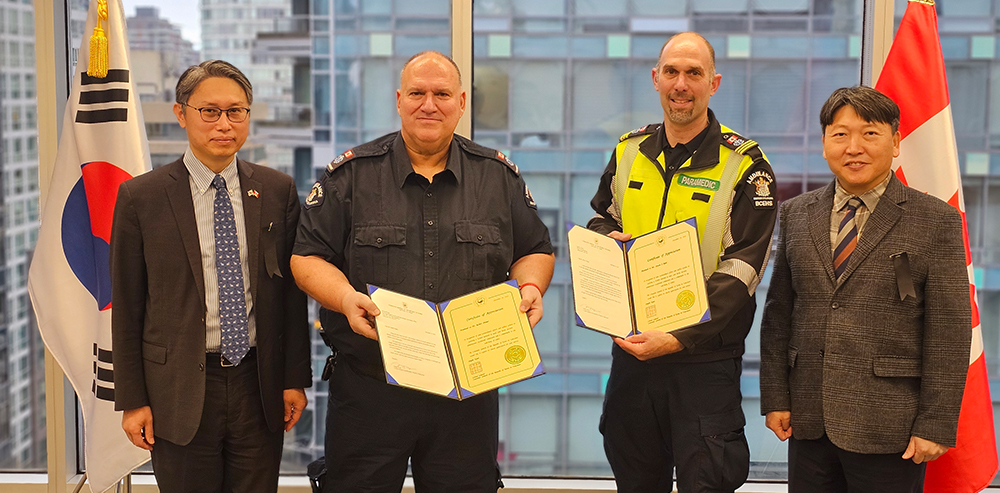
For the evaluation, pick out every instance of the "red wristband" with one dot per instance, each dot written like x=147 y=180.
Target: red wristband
x=530 y=284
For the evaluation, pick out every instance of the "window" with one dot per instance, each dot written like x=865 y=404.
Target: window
x=556 y=84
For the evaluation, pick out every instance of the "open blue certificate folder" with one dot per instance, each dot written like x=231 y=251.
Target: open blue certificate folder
x=652 y=282
x=458 y=348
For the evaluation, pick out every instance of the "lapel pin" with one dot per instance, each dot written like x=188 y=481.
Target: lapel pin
x=253 y=193
x=269 y=226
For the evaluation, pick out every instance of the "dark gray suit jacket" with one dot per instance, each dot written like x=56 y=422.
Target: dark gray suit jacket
x=158 y=296
x=849 y=358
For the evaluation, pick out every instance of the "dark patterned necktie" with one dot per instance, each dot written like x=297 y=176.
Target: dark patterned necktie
x=232 y=298
x=847 y=237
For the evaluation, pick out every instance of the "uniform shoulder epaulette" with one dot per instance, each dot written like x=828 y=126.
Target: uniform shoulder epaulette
x=737 y=142
x=643 y=130
x=483 y=151
x=376 y=147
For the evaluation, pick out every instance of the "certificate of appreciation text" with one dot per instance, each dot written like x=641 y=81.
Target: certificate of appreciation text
x=652 y=282
x=458 y=348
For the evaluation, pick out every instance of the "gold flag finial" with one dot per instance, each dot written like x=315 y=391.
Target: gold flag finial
x=97 y=66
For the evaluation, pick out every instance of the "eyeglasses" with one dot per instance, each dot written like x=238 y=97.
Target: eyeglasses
x=211 y=114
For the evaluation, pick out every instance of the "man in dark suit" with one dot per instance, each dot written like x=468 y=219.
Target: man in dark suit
x=866 y=330
x=211 y=343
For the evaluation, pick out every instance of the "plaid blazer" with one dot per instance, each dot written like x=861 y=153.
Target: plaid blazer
x=849 y=358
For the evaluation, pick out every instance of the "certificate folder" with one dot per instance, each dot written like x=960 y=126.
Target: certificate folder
x=458 y=348
x=651 y=282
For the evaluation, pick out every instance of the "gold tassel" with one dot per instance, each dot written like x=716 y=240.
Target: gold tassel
x=97 y=66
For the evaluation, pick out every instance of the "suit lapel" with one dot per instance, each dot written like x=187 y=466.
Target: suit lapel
x=819 y=227
x=182 y=205
x=887 y=212
x=250 y=192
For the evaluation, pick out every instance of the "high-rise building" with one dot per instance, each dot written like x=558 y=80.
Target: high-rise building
x=171 y=53
x=229 y=31
x=22 y=373
x=22 y=436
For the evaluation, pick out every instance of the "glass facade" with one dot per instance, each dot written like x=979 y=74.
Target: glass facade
x=554 y=84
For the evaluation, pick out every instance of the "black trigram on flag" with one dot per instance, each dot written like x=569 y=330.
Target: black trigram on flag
x=104 y=375
x=101 y=101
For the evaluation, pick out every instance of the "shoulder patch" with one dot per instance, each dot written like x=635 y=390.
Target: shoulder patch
x=643 y=130
x=510 y=164
x=737 y=142
x=528 y=199
x=762 y=192
x=341 y=159
x=315 y=197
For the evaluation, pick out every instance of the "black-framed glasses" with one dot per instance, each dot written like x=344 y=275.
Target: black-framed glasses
x=211 y=114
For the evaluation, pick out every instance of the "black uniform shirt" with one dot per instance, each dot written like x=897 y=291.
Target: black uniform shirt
x=383 y=224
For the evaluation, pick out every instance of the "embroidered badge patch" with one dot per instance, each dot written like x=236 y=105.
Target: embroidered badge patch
x=315 y=196
x=762 y=197
x=698 y=182
x=340 y=159
x=507 y=160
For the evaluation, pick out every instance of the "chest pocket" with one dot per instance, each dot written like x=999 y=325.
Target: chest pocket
x=379 y=253
x=478 y=249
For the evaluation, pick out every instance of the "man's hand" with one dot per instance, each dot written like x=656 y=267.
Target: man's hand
x=295 y=403
x=531 y=303
x=360 y=311
x=780 y=422
x=618 y=235
x=138 y=426
x=650 y=344
x=921 y=450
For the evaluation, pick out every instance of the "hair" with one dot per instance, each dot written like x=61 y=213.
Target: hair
x=872 y=106
x=195 y=74
x=430 y=52
x=711 y=50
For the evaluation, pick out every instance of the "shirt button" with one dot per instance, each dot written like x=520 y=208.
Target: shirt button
x=429 y=194
x=835 y=305
x=430 y=223
x=480 y=237
x=201 y=366
x=430 y=254
x=378 y=240
x=430 y=286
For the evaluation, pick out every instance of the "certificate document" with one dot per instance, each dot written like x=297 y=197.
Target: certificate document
x=652 y=282
x=458 y=348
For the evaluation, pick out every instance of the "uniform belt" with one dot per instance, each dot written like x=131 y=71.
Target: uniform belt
x=217 y=360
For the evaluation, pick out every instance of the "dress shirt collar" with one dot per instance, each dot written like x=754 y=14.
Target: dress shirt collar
x=203 y=176
x=870 y=198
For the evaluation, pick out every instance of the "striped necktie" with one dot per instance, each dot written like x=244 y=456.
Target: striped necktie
x=847 y=237
x=232 y=297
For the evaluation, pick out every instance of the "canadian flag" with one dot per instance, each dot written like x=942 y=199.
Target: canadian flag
x=914 y=77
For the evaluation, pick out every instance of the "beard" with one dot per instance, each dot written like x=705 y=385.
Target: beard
x=681 y=116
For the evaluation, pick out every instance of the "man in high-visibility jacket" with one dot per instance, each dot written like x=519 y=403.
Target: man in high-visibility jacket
x=673 y=399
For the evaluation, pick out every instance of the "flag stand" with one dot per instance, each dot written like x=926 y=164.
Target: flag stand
x=125 y=485
x=79 y=486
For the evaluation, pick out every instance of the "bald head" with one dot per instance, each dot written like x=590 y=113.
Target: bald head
x=427 y=56
x=689 y=37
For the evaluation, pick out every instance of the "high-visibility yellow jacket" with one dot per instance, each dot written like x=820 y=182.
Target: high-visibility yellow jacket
x=727 y=185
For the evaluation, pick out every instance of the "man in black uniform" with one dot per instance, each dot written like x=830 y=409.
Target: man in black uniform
x=673 y=399
x=430 y=214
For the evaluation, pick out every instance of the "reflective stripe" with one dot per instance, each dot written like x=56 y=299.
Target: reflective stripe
x=718 y=215
x=619 y=182
x=741 y=270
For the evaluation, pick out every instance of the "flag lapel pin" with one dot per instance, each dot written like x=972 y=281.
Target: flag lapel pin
x=253 y=193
